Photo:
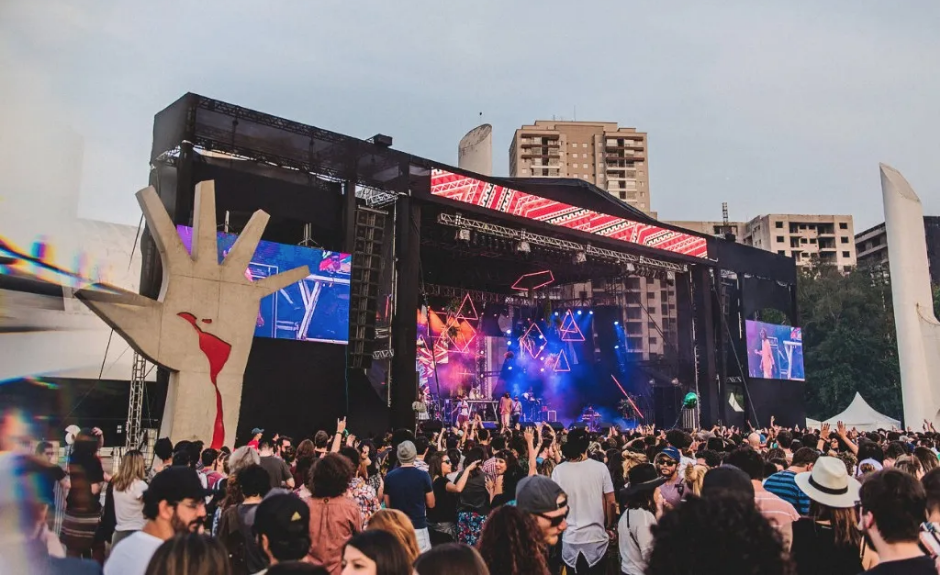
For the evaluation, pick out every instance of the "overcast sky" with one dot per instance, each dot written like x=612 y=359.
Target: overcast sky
x=784 y=106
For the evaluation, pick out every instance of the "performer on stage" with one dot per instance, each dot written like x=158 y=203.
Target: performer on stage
x=462 y=409
x=505 y=408
x=516 y=410
x=420 y=405
x=767 y=361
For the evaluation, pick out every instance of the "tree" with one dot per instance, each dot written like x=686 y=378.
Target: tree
x=849 y=339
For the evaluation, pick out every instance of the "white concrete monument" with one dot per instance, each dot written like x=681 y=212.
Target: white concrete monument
x=474 y=150
x=202 y=324
x=917 y=329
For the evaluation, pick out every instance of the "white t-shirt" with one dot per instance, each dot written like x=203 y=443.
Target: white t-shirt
x=585 y=483
x=132 y=554
x=129 y=507
x=635 y=540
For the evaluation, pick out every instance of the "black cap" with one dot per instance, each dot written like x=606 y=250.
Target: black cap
x=282 y=517
x=643 y=477
x=538 y=494
x=174 y=484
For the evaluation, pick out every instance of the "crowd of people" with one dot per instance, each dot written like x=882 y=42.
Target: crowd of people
x=535 y=500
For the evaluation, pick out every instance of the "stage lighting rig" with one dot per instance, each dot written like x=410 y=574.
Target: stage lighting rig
x=463 y=234
x=579 y=257
x=523 y=246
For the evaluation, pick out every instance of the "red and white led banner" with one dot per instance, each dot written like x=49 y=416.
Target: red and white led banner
x=509 y=201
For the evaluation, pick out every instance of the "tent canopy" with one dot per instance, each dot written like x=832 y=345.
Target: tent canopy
x=859 y=414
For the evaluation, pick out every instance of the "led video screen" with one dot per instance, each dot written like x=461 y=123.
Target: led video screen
x=316 y=308
x=775 y=351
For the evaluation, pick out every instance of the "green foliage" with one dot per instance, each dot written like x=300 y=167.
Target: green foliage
x=849 y=341
x=935 y=299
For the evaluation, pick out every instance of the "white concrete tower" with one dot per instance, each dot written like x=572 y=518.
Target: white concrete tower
x=474 y=150
x=917 y=329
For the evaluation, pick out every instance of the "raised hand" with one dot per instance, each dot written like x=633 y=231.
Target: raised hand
x=841 y=430
x=202 y=324
x=341 y=424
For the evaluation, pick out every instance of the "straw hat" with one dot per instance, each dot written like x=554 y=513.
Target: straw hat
x=828 y=484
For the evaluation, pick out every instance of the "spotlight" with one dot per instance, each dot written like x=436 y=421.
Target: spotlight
x=616 y=323
x=671 y=276
x=579 y=312
x=509 y=342
x=591 y=312
x=630 y=268
x=463 y=234
x=542 y=370
x=510 y=367
x=578 y=257
x=556 y=313
x=523 y=246
x=616 y=346
x=509 y=332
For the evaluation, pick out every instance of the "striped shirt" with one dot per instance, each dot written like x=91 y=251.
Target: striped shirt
x=783 y=484
x=780 y=513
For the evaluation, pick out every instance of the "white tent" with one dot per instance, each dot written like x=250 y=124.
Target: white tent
x=860 y=415
x=812 y=423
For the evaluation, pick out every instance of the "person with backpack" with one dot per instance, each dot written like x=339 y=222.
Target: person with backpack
x=235 y=524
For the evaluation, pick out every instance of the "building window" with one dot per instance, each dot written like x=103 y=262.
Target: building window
x=781 y=252
x=585 y=145
x=652 y=341
x=780 y=239
x=804 y=240
x=779 y=225
x=845 y=240
x=813 y=240
x=585 y=155
x=650 y=281
x=575 y=145
x=651 y=309
x=845 y=254
x=585 y=166
x=842 y=225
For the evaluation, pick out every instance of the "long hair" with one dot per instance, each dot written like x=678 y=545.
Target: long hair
x=514 y=473
x=384 y=549
x=399 y=525
x=693 y=476
x=435 y=464
x=616 y=467
x=843 y=522
x=641 y=500
x=190 y=554
x=451 y=559
x=511 y=543
x=132 y=469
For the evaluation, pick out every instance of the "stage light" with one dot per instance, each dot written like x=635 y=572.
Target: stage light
x=591 y=312
x=630 y=267
x=616 y=323
x=578 y=257
x=556 y=313
x=671 y=276
x=510 y=367
x=616 y=347
x=509 y=332
x=579 y=312
x=542 y=370
x=509 y=342
x=523 y=246
x=464 y=234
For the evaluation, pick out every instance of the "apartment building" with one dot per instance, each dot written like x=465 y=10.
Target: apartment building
x=610 y=157
x=872 y=250
x=716 y=228
x=805 y=238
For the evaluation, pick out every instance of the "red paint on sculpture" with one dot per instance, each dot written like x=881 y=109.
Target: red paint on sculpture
x=217 y=352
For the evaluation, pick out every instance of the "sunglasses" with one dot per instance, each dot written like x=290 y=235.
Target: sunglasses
x=558 y=520
x=666 y=462
x=448 y=461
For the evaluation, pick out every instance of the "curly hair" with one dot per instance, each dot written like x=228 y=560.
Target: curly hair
x=399 y=525
x=720 y=534
x=330 y=476
x=511 y=543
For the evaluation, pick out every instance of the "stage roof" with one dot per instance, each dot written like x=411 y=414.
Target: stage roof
x=568 y=205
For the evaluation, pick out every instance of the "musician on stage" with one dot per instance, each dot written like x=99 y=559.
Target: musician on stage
x=516 y=410
x=505 y=408
x=462 y=409
x=420 y=405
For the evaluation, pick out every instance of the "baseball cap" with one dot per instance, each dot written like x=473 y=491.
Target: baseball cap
x=406 y=452
x=282 y=516
x=257 y=430
x=671 y=452
x=538 y=494
x=174 y=484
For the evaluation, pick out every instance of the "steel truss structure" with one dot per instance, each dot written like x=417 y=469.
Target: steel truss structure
x=135 y=402
x=461 y=222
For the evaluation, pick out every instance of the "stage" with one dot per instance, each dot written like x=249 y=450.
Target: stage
x=545 y=287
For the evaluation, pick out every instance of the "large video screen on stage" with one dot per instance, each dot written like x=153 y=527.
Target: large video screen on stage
x=316 y=308
x=775 y=351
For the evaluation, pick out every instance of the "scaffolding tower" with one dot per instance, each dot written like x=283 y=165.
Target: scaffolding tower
x=133 y=429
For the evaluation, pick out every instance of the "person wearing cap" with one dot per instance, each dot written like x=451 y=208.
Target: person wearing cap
x=592 y=505
x=256 y=437
x=644 y=505
x=546 y=501
x=828 y=541
x=409 y=490
x=173 y=504
x=673 y=488
x=282 y=528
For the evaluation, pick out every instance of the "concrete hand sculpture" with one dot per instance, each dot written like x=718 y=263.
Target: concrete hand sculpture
x=202 y=324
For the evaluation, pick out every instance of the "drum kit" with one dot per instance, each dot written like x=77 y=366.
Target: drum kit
x=591 y=418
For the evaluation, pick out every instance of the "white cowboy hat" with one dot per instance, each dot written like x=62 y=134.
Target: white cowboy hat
x=829 y=484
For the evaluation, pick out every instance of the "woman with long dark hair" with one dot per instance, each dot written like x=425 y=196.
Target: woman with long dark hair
x=511 y=543
x=82 y=505
x=190 y=554
x=442 y=518
x=375 y=552
x=643 y=505
x=304 y=458
x=509 y=474
x=369 y=467
x=827 y=542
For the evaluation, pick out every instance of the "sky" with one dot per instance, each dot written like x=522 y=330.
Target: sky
x=773 y=107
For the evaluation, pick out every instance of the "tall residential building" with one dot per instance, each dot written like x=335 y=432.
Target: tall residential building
x=872 y=249
x=613 y=158
x=805 y=238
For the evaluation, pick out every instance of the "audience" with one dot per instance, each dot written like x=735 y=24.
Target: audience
x=643 y=505
x=783 y=482
x=128 y=487
x=375 y=552
x=282 y=528
x=334 y=516
x=399 y=525
x=190 y=554
x=235 y=525
x=451 y=559
x=512 y=544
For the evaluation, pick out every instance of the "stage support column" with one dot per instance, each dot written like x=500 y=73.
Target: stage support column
x=402 y=378
x=349 y=215
x=686 y=370
x=722 y=328
x=705 y=331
